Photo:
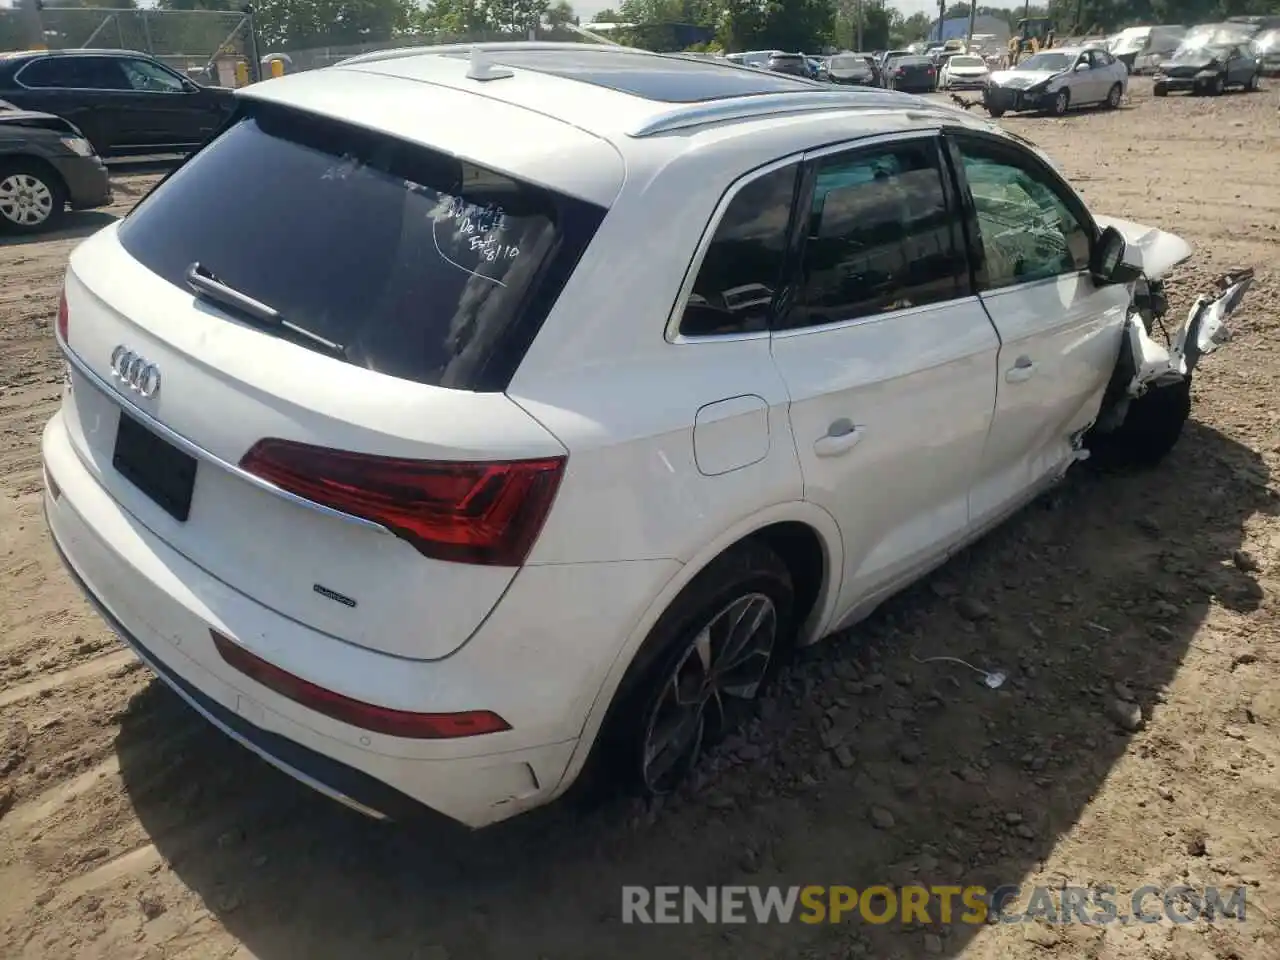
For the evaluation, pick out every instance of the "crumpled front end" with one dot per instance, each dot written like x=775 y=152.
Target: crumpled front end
x=1204 y=330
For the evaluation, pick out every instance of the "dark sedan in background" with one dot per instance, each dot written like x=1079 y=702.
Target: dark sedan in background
x=850 y=69
x=793 y=64
x=1209 y=69
x=46 y=164
x=911 y=74
x=125 y=103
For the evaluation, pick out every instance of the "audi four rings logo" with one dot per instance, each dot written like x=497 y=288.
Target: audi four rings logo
x=141 y=376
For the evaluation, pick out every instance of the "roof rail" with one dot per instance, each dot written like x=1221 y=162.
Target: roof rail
x=769 y=104
x=490 y=46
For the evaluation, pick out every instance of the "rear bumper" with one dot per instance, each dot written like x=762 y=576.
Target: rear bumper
x=913 y=84
x=539 y=662
x=966 y=83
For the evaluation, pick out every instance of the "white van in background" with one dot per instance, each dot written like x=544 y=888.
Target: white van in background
x=1141 y=48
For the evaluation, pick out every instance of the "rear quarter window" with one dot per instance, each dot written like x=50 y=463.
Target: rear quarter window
x=420 y=265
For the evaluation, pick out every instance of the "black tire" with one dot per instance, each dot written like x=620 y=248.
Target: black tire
x=1252 y=85
x=1161 y=90
x=618 y=756
x=1062 y=102
x=1151 y=428
x=995 y=112
x=1217 y=86
x=1113 y=96
x=35 y=188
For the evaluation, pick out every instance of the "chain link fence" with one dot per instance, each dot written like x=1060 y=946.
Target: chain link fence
x=313 y=58
x=204 y=44
x=208 y=45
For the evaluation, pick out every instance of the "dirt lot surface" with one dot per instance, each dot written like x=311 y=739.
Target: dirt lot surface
x=131 y=828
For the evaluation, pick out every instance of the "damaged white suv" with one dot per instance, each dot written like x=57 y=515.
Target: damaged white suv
x=462 y=419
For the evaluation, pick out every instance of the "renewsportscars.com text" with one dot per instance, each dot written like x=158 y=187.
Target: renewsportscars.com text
x=816 y=904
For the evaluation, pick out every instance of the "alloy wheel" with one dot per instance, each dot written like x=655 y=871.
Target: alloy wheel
x=25 y=200
x=727 y=660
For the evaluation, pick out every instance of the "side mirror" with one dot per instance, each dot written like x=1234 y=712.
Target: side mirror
x=1081 y=66
x=1112 y=261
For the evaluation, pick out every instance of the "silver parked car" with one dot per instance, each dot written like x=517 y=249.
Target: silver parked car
x=1057 y=80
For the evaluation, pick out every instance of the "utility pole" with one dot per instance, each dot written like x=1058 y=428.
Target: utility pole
x=32 y=24
x=942 y=9
x=973 y=14
x=859 y=46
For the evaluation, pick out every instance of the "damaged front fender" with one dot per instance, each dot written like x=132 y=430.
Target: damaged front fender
x=1203 y=332
x=1155 y=251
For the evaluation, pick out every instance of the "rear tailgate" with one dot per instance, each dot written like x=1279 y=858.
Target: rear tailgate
x=380 y=258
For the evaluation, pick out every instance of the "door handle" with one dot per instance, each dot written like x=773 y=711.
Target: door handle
x=842 y=436
x=1021 y=370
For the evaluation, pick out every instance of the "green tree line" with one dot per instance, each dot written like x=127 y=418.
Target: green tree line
x=808 y=25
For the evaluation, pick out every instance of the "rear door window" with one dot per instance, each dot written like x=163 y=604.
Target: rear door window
x=61 y=73
x=417 y=264
x=881 y=236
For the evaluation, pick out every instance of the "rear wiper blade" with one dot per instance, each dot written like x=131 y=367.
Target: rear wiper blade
x=206 y=284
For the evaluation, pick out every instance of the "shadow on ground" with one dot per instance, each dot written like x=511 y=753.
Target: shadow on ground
x=1105 y=582
x=77 y=225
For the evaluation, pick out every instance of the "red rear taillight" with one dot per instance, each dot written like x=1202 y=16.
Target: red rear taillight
x=64 y=318
x=357 y=713
x=465 y=512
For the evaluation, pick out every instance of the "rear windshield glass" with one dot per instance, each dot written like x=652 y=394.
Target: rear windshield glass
x=418 y=265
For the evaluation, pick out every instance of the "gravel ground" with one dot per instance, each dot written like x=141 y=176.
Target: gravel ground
x=130 y=828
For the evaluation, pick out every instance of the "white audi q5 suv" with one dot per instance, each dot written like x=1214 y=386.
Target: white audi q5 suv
x=462 y=419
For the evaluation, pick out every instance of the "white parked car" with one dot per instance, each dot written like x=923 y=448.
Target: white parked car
x=1057 y=80
x=532 y=421
x=963 y=71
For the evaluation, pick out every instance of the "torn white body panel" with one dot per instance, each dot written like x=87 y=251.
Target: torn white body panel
x=1154 y=251
x=1204 y=330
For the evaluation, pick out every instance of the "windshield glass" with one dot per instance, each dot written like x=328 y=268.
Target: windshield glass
x=848 y=63
x=966 y=61
x=1046 y=61
x=1202 y=51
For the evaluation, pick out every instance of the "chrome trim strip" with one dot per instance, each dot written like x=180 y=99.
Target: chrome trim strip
x=877 y=140
x=870 y=318
x=119 y=55
x=182 y=443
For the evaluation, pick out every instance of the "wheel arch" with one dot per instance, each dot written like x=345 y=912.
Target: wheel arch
x=35 y=162
x=807 y=539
